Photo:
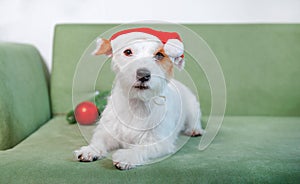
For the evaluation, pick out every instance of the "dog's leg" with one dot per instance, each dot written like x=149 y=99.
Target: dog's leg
x=101 y=143
x=125 y=159
x=192 y=124
x=191 y=112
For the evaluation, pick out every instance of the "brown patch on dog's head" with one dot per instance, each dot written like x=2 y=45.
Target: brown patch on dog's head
x=165 y=62
x=104 y=47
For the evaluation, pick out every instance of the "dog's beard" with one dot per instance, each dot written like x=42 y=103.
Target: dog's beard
x=147 y=91
x=142 y=94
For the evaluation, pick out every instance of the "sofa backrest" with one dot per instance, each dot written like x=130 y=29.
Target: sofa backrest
x=24 y=95
x=260 y=62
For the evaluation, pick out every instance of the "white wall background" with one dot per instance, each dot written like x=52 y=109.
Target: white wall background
x=32 y=21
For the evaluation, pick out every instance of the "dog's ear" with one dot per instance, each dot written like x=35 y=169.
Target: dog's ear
x=179 y=62
x=103 y=47
x=174 y=49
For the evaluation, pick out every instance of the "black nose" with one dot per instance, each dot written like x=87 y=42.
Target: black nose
x=143 y=74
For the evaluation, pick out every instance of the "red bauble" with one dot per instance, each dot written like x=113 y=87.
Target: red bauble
x=86 y=113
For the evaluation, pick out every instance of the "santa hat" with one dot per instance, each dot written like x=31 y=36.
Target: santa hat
x=171 y=41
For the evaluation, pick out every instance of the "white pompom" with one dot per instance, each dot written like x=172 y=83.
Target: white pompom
x=174 y=48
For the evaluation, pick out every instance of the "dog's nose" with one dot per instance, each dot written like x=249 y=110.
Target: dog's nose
x=143 y=74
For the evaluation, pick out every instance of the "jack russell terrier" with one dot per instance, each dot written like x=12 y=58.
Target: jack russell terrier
x=147 y=109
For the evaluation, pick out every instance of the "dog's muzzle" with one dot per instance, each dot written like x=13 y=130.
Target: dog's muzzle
x=142 y=75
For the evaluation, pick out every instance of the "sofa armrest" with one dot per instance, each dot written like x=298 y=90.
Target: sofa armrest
x=24 y=96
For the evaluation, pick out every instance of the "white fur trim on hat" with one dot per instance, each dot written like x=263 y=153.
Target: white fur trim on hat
x=124 y=40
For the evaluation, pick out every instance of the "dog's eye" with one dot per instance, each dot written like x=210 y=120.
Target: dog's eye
x=127 y=52
x=159 y=56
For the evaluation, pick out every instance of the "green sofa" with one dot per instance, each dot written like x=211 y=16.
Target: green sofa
x=258 y=142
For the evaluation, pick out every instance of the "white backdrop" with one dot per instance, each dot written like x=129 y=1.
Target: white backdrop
x=32 y=21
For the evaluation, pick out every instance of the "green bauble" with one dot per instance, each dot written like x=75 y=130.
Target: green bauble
x=101 y=101
x=71 y=117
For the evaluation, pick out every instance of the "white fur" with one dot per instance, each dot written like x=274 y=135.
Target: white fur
x=142 y=125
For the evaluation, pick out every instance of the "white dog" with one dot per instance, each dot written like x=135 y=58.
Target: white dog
x=147 y=108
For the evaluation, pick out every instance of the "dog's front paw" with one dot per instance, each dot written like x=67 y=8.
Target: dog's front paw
x=87 y=154
x=125 y=159
x=195 y=132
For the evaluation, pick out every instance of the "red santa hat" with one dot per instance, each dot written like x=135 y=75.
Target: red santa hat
x=171 y=41
x=163 y=36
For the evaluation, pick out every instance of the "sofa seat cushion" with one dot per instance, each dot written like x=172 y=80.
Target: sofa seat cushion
x=247 y=149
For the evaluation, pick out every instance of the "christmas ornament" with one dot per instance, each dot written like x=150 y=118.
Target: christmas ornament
x=86 y=113
x=100 y=101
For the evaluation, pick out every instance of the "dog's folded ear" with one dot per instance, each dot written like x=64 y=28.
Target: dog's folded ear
x=179 y=62
x=174 y=49
x=103 y=47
